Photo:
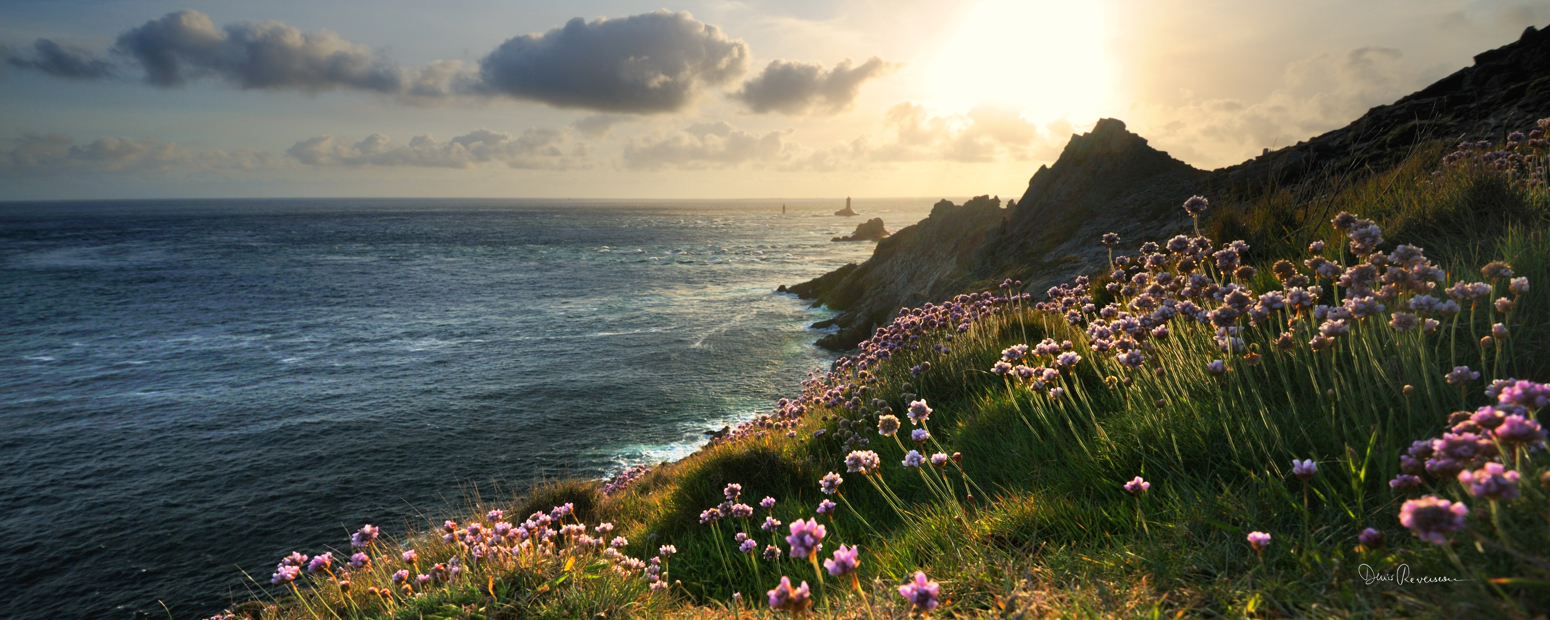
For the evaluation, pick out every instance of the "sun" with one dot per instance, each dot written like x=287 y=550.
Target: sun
x=1051 y=59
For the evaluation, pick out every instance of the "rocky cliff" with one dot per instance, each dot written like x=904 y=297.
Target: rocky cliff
x=928 y=260
x=1110 y=179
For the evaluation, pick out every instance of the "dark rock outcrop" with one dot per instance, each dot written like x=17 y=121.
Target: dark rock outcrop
x=919 y=263
x=1111 y=180
x=870 y=230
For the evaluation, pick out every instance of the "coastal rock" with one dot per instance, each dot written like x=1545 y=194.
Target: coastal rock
x=919 y=263
x=870 y=230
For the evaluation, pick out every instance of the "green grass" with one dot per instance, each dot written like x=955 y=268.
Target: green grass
x=1050 y=532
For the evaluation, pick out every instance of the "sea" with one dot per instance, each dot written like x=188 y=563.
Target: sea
x=190 y=390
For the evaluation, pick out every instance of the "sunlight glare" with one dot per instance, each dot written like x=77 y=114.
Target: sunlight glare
x=1050 y=58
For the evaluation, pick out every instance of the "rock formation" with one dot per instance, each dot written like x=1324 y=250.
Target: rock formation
x=870 y=230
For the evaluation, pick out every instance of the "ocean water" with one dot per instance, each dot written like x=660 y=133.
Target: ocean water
x=190 y=390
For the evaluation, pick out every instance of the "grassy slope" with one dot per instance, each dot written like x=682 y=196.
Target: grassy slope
x=1050 y=531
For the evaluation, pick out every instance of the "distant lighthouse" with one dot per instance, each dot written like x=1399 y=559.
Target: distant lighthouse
x=846 y=212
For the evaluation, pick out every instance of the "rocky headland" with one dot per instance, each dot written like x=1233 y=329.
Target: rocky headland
x=1111 y=180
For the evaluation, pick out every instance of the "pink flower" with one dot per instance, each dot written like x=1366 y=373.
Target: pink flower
x=921 y=592
x=844 y=561
x=786 y=598
x=1138 y=486
x=806 y=538
x=1491 y=482
x=1305 y=469
x=1432 y=519
x=1259 y=540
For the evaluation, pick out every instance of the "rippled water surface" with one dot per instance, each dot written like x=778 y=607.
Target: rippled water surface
x=191 y=388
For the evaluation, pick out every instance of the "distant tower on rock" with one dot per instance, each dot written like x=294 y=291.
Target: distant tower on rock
x=846 y=212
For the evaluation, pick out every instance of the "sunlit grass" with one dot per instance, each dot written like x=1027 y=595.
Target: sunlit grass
x=1033 y=519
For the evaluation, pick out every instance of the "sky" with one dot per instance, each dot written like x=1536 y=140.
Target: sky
x=701 y=99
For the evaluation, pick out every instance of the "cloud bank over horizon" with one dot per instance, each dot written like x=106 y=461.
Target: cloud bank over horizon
x=706 y=98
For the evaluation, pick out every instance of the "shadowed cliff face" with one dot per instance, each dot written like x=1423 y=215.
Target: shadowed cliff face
x=922 y=262
x=1110 y=180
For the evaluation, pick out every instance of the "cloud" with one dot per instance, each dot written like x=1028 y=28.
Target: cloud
x=709 y=145
x=270 y=55
x=797 y=88
x=643 y=64
x=535 y=148
x=57 y=152
x=1316 y=95
x=62 y=61
x=598 y=125
x=986 y=133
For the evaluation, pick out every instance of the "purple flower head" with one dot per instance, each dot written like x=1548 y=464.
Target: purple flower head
x=830 y=484
x=1516 y=430
x=862 y=461
x=495 y=515
x=401 y=576
x=733 y=491
x=1068 y=359
x=748 y=546
x=1196 y=206
x=920 y=435
x=364 y=537
x=770 y=524
x=360 y=560
x=1216 y=368
x=1259 y=540
x=919 y=411
x=1526 y=394
x=741 y=511
x=603 y=528
x=1457 y=446
x=740 y=537
x=844 y=562
x=294 y=559
x=921 y=592
x=422 y=579
x=1518 y=286
x=1370 y=538
x=562 y=511
x=1461 y=376
x=914 y=459
x=1138 y=486
x=767 y=503
x=321 y=561
x=1491 y=482
x=1056 y=393
x=771 y=552
x=410 y=556
x=1405 y=482
x=1305 y=469
x=1432 y=519
x=285 y=574
x=1443 y=467
x=710 y=515
x=786 y=598
x=619 y=542
x=887 y=425
x=826 y=507
x=1001 y=368
x=939 y=459
x=806 y=537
